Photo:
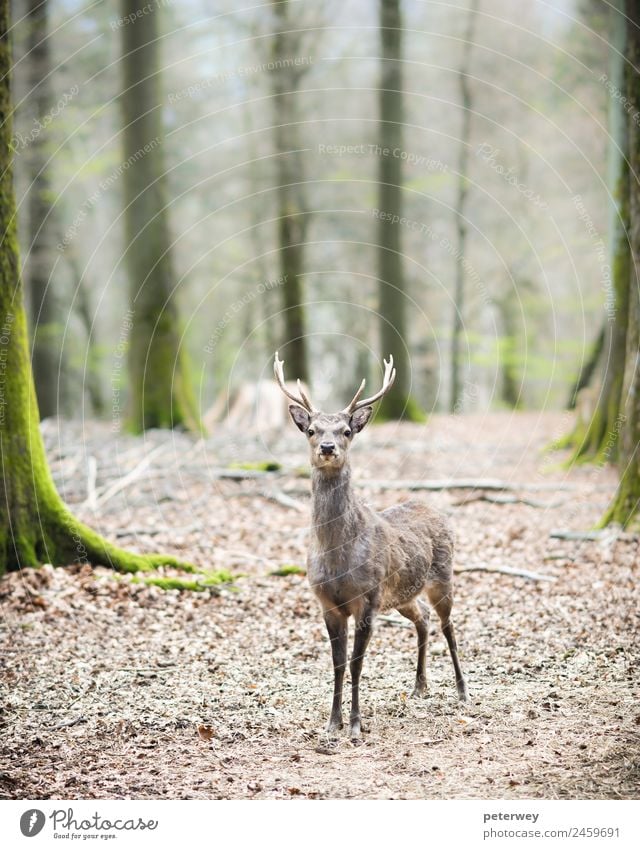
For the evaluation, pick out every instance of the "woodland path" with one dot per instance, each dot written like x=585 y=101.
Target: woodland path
x=112 y=689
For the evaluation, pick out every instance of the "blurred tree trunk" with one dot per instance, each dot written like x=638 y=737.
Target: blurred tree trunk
x=588 y=369
x=160 y=390
x=35 y=525
x=600 y=439
x=268 y=335
x=625 y=508
x=91 y=375
x=392 y=298
x=455 y=399
x=46 y=316
x=510 y=384
x=292 y=211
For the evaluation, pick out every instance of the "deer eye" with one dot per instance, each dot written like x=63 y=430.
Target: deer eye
x=310 y=431
x=347 y=432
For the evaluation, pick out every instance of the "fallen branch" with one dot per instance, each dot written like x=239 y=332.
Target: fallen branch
x=608 y=534
x=272 y=495
x=68 y=723
x=152 y=532
x=507 y=570
x=586 y=535
x=282 y=499
x=129 y=478
x=480 y=483
x=239 y=474
x=391 y=620
x=507 y=499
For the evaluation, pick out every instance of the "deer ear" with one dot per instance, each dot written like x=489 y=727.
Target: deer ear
x=299 y=416
x=360 y=418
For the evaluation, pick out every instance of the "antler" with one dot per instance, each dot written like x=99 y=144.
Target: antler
x=387 y=383
x=301 y=400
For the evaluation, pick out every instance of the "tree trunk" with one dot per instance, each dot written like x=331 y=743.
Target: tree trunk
x=91 y=374
x=292 y=212
x=461 y=203
x=160 y=391
x=599 y=440
x=47 y=322
x=35 y=526
x=510 y=385
x=392 y=299
x=625 y=508
x=588 y=369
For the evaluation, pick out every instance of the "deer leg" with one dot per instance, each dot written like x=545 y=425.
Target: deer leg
x=337 y=628
x=418 y=613
x=441 y=597
x=364 y=629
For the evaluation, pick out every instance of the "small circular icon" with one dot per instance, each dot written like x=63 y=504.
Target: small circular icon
x=32 y=822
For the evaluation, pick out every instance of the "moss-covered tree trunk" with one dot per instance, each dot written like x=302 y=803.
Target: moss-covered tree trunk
x=598 y=441
x=35 y=526
x=46 y=317
x=588 y=368
x=455 y=399
x=292 y=212
x=160 y=390
x=392 y=303
x=625 y=508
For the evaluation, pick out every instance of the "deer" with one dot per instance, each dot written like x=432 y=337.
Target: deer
x=360 y=562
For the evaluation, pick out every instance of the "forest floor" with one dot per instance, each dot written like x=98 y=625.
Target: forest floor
x=115 y=689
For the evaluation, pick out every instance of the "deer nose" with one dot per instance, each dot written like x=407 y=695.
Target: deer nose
x=327 y=447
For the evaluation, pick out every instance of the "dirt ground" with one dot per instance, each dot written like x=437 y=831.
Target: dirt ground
x=112 y=689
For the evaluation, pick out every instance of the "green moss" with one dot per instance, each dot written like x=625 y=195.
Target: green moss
x=401 y=409
x=260 y=466
x=207 y=581
x=624 y=507
x=289 y=569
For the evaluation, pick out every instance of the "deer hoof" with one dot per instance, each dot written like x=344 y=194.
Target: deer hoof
x=355 y=732
x=421 y=690
x=463 y=693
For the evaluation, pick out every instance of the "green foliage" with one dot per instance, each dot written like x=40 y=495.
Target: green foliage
x=258 y=466
x=289 y=569
x=401 y=409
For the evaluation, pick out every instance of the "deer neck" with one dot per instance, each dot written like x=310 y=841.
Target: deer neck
x=336 y=514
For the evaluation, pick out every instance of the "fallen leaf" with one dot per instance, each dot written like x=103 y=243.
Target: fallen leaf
x=206 y=732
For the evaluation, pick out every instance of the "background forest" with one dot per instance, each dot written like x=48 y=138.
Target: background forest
x=510 y=124
x=187 y=188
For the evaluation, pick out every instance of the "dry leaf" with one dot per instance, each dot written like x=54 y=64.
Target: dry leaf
x=206 y=732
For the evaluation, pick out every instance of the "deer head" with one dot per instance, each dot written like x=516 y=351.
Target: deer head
x=330 y=434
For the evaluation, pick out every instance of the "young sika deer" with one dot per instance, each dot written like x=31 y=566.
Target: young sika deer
x=361 y=562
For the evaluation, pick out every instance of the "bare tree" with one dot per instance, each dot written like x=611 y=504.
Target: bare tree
x=392 y=288
x=46 y=314
x=160 y=390
x=625 y=508
x=461 y=204
x=292 y=209
x=599 y=440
